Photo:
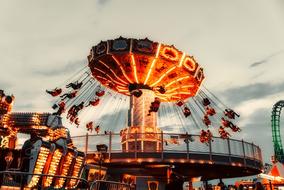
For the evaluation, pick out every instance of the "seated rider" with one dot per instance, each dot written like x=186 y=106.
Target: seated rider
x=77 y=122
x=154 y=106
x=179 y=103
x=231 y=114
x=206 y=136
x=71 y=112
x=61 y=108
x=107 y=132
x=69 y=95
x=161 y=89
x=202 y=136
x=166 y=143
x=90 y=126
x=206 y=102
x=75 y=85
x=223 y=133
x=225 y=123
x=54 y=92
x=74 y=110
x=97 y=129
x=234 y=128
x=210 y=111
x=80 y=106
x=209 y=135
x=94 y=102
x=206 y=120
x=72 y=118
x=100 y=93
x=186 y=111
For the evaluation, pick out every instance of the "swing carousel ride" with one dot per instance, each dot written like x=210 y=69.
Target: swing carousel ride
x=159 y=87
x=151 y=75
x=147 y=114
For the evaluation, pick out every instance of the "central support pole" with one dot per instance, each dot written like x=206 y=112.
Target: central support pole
x=143 y=123
x=139 y=112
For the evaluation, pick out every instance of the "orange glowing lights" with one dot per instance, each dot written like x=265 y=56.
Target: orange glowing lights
x=170 y=53
x=112 y=72
x=40 y=163
x=163 y=76
x=177 y=80
x=150 y=70
x=134 y=68
x=52 y=167
x=181 y=60
x=123 y=71
x=76 y=171
x=67 y=162
x=190 y=64
x=148 y=65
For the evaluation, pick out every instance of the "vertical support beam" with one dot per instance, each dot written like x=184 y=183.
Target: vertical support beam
x=135 y=144
x=229 y=150
x=190 y=186
x=110 y=145
x=86 y=143
x=210 y=150
x=253 y=153
x=205 y=184
x=259 y=153
x=187 y=146
x=169 y=171
x=270 y=185
x=12 y=142
x=162 y=145
x=243 y=145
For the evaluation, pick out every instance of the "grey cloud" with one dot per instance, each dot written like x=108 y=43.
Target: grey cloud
x=258 y=63
x=25 y=106
x=265 y=60
x=112 y=120
x=103 y=2
x=173 y=129
x=68 y=68
x=259 y=131
x=4 y=85
x=240 y=94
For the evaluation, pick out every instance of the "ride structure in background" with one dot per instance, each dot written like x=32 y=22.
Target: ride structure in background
x=276 y=135
x=47 y=159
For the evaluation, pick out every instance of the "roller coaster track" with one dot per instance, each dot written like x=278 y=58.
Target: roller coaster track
x=276 y=135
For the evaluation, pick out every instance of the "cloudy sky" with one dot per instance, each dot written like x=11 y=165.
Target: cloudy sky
x=239 y=43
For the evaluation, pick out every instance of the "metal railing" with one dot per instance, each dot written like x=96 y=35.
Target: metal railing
x=219 y=146
x=17 y=180
x=12 y=179
x=107 y=185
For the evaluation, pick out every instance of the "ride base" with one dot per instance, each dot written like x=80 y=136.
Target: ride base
x=219 y=159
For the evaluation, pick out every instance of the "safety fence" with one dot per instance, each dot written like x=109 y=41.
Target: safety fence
x=15 y=180
x=172 y=143
x=107 y=185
